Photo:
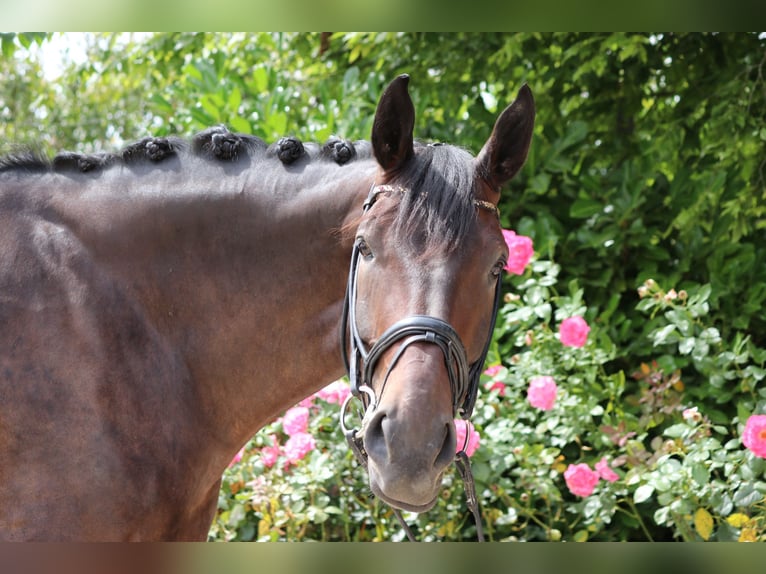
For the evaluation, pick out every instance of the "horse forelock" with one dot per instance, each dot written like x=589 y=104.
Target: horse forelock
x=438 y=208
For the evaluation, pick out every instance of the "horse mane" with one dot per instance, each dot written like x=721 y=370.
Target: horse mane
x=26 y=160
x=438 y=209
x=216 y=144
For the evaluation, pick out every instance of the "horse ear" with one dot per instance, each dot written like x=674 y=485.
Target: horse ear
x=506 y=149
x=393 y=125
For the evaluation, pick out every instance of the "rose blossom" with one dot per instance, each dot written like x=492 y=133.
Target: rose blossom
x=542 y=392
x=603 y=470
x=493 y=370
x=498 y=386
x=692 y=414
x=308 y=402
x=573 y=331
x=520 y=251
x=298 y=446
x=270 y=454
x=237 y=457
x=581 y=479
x=754 y=435
x=495 y=385
x=336 y=392
x=460 y=437
x=296 y=421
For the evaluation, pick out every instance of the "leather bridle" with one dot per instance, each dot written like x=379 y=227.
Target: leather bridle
x=361 y=361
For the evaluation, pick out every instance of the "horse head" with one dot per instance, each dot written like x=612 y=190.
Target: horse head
x=423 y=291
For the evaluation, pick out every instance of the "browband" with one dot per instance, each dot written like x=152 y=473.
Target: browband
x=376 y=190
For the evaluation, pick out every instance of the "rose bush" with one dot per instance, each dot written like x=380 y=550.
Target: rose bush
x=565 y=443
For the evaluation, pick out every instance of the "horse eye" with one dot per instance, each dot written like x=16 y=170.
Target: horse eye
x=497 y=270
x=364 y=249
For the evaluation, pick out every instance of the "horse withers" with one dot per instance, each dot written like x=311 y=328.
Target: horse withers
x=161 y=304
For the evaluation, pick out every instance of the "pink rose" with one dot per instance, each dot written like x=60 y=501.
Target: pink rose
x=308 y=402
x=472 y=443
x=573 y=332
x=542 y=392
x=498 y=386
x=493 y=370
x=754 y=435
x=580 y=479
x=519 y=251
x=296 y=421
x=298 y=446
x=336 y=392
x=237 y=457
x=270 y=454
x=603 y=470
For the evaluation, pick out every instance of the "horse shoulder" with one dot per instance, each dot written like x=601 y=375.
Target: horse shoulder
x=93 y=396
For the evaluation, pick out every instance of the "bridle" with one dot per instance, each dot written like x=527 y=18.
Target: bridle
x=361 y=361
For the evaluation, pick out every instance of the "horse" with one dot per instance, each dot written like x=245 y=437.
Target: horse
x=159 y=305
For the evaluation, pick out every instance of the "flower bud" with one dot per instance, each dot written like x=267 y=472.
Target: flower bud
x=671 y=296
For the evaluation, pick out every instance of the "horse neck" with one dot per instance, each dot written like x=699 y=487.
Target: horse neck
x=245 y=284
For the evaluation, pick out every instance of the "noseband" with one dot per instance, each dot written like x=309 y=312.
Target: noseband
x=361 y=361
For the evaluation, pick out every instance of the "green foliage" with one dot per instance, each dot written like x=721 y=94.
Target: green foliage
x=647 y=163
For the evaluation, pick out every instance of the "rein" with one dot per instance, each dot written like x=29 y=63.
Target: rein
x=361 y=362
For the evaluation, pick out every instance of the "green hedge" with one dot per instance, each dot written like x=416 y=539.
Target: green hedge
x=647 y=163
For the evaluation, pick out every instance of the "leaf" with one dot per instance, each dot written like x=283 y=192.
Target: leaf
x=540 y=183
x=240 y=125
x=235 y=99
x=583 y=208
x=8 y=47
x=576 y=132
x=260 y=80
x=580 y=536
x=210 y=108
x=663 y=335
x=686 y=346
x=700 y=474
x=676 y=430
x=643 y=493
x=747 y=495
x=277 y=124
x=703 y=523
x=161 y=103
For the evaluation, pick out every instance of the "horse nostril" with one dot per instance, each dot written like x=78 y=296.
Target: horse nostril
x=447 y=452
x=375 y=436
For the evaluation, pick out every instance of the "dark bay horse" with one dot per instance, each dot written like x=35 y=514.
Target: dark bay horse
x=161 y=304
